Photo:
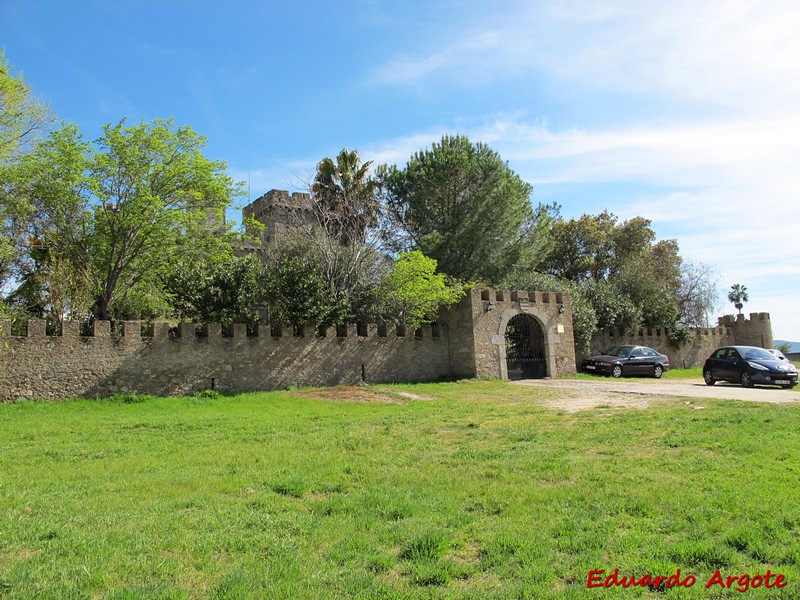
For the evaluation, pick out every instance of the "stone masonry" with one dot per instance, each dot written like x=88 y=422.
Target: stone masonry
x=468 y=341
x=732 y=330
x=278 y=211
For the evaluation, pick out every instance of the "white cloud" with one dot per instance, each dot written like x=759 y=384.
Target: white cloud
x=731 y=196
x=723 y=152
x=733 y=53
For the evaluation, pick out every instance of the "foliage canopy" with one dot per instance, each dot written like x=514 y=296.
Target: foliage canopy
x=461 y=205
x=121 y=210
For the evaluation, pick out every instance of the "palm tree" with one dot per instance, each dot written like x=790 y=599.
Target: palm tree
x=347 y=196
x=738 y=295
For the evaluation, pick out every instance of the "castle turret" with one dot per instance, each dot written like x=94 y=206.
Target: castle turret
x=279 y=212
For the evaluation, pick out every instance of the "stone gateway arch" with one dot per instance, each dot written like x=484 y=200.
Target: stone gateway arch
x=524 y=347
x=512 y=334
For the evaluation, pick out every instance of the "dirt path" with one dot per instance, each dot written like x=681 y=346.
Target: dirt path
x=635 y=393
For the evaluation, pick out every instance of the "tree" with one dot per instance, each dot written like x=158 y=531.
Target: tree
x=461 y=205
x=50 y=236
x=343 y=192
x=126 y=207
x=156 y=193
x=22 y=120
x=599 y=247
x=21 y=116
x=226 y=290
x=738 y=296
x=631 y=279
x=335 y=232
x=613 y=308
x=650 y=279
x=644 y=274
x=697 y=295
x=583 y=248
x=414 y=292
x=297 y=294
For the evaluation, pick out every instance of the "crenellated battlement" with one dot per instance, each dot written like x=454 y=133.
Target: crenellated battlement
x=739 y=319
x=732 y=330
x=147 y=331
x=274 y=199
x=660 y=332
x=164 y=359
x=529 y=296
x=170 y=359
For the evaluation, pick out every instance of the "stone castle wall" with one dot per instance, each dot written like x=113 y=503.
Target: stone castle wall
x=468 y=341
x=178 y=361
x=732 y=331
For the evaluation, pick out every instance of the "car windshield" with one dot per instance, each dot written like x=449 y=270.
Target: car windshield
x=621 y=351
x=757 y=354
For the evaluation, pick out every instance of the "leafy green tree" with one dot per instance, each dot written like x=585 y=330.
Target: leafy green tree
x=631 y=279
x=461 y=205
x=651 y=279
x=582 y=248
x=597 y=246
x=156 y=194
x=612 y=308
x=738 y=296
x=53 y=261
x=125 y=208
x=22 y=117
x=22 y=120
x=298 y=295
x=414 y=291
x=225 y=291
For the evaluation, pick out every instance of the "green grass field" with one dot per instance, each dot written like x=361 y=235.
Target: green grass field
x=454 y=490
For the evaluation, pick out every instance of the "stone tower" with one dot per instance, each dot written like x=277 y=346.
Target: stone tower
x=279 y=212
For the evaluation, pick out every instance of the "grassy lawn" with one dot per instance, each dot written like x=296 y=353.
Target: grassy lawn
x=454 y=490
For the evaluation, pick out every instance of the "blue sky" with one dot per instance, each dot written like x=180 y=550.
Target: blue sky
x=687 y=113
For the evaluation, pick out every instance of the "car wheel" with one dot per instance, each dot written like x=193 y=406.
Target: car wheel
x=788 y=387
x=746 y=380
x=658 y=372
x=616 y=371
x=709 y=378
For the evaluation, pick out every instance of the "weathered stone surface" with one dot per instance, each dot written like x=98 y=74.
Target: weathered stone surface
x=468 y=341
x=482 y=331
x=732 y=331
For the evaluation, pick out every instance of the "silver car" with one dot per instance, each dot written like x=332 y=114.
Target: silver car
x=778 y=354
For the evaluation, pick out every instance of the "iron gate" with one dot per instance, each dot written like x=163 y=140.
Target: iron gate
x=525 y=348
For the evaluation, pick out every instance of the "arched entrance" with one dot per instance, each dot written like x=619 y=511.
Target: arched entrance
x=525 y=348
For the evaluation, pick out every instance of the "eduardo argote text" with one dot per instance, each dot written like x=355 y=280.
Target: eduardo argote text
x=740 y=583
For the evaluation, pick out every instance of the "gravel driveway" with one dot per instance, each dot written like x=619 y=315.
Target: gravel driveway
x=583 y=393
